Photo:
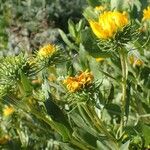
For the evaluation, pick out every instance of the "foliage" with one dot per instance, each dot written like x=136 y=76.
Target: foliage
x=35 y=24
x=91 y=93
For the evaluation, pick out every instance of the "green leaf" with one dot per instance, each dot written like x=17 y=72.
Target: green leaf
x=62 y=130
x=111 y=94
x=125 y=146
x=66 y=40
x=83 y=55
x=86 y=138
x=58 y=127
x=72 y=29
x=106 y=145
x=65 y=146
x=27 y=87
x=81 y=123
x=55 y=112
x=80 y=25
x=146 y=134
x=116 y=4
x=101 y=146
x=90 y=44
x=89 y=14
x=93 y=3
x=112 y=110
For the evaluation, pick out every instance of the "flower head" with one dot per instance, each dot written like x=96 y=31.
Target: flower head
x=47 y=51
x=146 y=14
x=72 y=84
x=8 y=110
x=108 y=24
x=80 y=81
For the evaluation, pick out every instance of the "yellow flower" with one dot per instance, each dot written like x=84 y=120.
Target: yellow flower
x=100 y=59
x=108 y=24
x=8 y=110
x=47 y=51
x=146 y=14
x=135 y=61
x=76 y=83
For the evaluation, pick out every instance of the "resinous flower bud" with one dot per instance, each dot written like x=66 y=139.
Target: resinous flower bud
x=108 y=24
x=47 y=51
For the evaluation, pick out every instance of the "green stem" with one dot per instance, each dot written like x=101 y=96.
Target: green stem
x=95 y=120
x=124 y=67
x=78 y=144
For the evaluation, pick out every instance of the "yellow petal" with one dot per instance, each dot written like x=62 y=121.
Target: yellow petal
x=146 y=14
x=8 y=110
x=100 y=59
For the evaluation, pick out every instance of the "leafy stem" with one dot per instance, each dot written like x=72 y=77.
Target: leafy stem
x=96 y=121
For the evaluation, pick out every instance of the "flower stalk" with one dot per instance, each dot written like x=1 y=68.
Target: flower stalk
x=124 y=66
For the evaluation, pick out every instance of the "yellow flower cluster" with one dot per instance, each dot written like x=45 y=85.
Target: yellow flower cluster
x=8 y=110
x=146 y=14
x=47 y=51
x=76 y=83
x=109 y=23
x=135 y=61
